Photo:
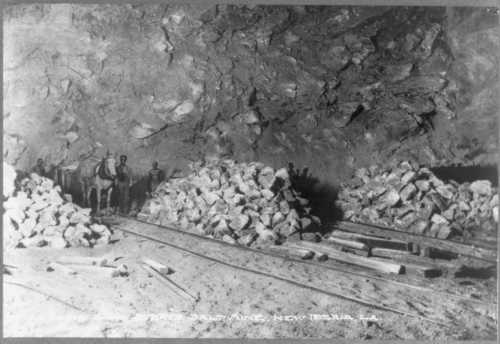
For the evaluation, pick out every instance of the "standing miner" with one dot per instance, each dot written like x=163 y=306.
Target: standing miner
x=124 y=182
x=155 y=177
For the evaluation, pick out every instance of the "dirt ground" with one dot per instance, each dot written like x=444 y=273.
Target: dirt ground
x=232 y=303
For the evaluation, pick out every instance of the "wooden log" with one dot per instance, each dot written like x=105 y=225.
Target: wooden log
x=423 y=241
x=402 y=257
x=365 y=252
x=169 y=283
x=422 y=270
x=302 y=253
x=371 y=240
x=436 y=253
x=415 y=249
x=370 y=263
x=443 y=265
x=157 y=266
x=349 y=243
x=110 y=271
x=389 y=253
x=77 y=260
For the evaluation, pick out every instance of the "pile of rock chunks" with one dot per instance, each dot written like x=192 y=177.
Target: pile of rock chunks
x=37 y=214
x=413 y=199
x=241 y=203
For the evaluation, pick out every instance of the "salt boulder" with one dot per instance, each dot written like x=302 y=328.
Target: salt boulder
x=408 y=177
x=229 y=239
x=266 y=220
x=57 y=242
x=239 y=222
x=35 y=241
x=27 y=228
x=481 y=187
x=423 y=185
x=445 y=191
x=438 y=219
x=444 y=231
x=9 y=177
x=408 y=192
x=277 y=218
x=16 y=215
x=389 y=199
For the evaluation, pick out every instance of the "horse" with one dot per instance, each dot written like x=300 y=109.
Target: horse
x=102 y=178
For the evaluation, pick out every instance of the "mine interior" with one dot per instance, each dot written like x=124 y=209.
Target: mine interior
x=250 y=171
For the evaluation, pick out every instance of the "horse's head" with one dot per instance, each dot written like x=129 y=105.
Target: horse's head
x=110 y=164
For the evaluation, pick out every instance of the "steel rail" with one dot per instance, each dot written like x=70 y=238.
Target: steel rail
x=270 y=275
x=30 y=288
x=301 y=285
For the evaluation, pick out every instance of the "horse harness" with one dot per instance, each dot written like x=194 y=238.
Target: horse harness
x=101 y=171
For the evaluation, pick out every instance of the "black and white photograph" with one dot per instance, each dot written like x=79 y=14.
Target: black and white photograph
x=236 y=170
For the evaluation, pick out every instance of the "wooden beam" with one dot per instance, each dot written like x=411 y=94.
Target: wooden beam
x=365 y=252
x=170 y=284
x=349 y=243
x=78 y=260
x=411 y=263
x=302 y=253
x=370 y=263
x=422 y=270
x=157 y=266
x=371 y=240
x=423 y=241
x=110 y=271
x=389 y=253
x=437 y=253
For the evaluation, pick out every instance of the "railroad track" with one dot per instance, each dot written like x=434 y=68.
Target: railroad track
x=323 y=265
x=419 y=304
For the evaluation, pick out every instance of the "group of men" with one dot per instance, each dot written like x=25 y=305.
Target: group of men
x=123 y=181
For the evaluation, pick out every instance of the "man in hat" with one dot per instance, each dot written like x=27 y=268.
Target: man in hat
x=124 y=181
x=40 y=168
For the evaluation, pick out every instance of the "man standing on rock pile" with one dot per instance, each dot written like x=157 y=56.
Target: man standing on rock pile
x=124 y=181
x=155 y=177
x=40 y=168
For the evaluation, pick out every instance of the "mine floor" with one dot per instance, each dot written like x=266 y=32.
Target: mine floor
x=269 y=297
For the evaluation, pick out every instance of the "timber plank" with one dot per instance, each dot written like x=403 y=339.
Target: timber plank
x=371 y=240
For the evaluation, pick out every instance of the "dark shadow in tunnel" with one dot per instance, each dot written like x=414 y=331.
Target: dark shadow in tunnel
x=321 y=196
x=138 y=193
x=463 y=174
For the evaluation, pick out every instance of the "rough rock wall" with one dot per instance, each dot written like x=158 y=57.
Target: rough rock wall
x=332 y=88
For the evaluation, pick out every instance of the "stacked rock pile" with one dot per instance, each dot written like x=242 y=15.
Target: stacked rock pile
x=36 y=214
x=242 y=203
x=413 y=199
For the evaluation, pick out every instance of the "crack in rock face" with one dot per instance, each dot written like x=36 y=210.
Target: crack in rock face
x=396 y=82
